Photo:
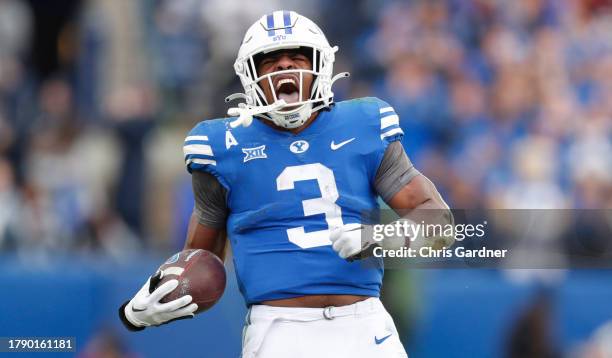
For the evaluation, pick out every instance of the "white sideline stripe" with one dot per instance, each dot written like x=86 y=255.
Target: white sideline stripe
x=198 y=149
x=196 y=137
x=389 y=121
x=386 y=109
x=201 y=161
x=391 y=132
x=173 y=271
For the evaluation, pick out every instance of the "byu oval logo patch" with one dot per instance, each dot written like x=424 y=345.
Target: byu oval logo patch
x=299 y=146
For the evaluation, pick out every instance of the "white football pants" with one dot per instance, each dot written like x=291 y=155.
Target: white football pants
x=363 y=329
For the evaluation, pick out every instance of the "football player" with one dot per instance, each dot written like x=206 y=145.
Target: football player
x=286 y=179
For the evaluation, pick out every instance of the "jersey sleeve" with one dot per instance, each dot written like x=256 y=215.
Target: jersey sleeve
x=202 y=152
x=383 y=129
x=210 y=200
x=394 y=172
x=390 y=130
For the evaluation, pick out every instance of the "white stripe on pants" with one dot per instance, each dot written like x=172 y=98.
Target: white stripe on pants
x=363 y=329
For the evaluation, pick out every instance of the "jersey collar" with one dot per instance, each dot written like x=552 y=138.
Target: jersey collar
x=317 y=126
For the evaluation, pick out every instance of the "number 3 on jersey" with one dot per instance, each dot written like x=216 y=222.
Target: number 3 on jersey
x=326 y=204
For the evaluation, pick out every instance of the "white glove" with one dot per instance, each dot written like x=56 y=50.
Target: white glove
x=145 y=309
x=352 y=239
x=346 y=240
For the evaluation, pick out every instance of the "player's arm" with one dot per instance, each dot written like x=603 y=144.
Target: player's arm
x=405 y=190
x=403 y=187
x=200 y=236
x=207 y=224
x=206 y=231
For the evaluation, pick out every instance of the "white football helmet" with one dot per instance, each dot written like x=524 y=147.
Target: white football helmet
x=276 y=31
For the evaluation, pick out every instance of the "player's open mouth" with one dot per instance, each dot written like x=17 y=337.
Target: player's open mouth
x=287 y=89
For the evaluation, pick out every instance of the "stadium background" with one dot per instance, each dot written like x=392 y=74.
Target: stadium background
x=505 y=104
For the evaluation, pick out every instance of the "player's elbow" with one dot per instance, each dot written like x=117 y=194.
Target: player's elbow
x=419 y=193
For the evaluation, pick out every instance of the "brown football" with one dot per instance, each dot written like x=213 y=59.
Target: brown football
x=200 y=273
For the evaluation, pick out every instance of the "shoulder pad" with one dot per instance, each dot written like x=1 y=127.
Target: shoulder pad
x=382 y=116
x=390 y=129
x=200 y=149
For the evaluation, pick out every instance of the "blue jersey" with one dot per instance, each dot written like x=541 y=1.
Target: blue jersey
x=286 y=190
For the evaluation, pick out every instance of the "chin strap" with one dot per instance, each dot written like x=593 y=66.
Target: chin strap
x=245 y=112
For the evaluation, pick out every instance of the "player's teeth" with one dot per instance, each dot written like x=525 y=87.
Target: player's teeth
x=283 y=81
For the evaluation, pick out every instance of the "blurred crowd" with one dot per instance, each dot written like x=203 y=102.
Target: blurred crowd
x=505 y=104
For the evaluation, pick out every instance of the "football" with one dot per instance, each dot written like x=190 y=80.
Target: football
x=200 y=273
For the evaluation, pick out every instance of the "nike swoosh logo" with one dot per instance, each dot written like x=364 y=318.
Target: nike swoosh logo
x=138 y=310
x=379 y=341
x=335 y=146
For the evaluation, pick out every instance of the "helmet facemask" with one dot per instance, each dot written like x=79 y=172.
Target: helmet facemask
x=307 y=99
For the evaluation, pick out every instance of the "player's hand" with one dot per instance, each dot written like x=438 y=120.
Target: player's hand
x=355 y=241
x=347 y=240
x=145 y=310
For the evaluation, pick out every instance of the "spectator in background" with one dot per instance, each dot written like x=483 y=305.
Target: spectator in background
x=131 y=109
x=531 y=334
x=9 y=204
